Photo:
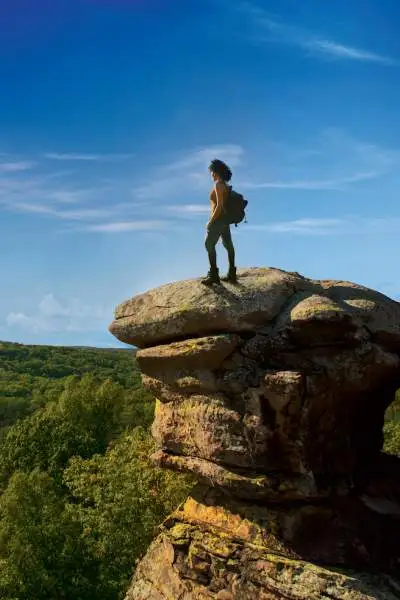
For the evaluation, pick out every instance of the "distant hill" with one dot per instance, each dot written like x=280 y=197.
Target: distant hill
x=30 y=376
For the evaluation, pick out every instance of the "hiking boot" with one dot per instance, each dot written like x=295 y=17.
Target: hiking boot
x=212 y=277
x=231 y=276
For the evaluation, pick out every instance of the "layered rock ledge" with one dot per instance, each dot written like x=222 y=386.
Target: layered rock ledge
x=273 y=393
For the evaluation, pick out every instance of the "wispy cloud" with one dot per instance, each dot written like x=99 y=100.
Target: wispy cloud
x=86 y=157
x=186 y=173
x=161 y=187
x=124 y=226
x=17 y=186
x=346 y=52
x=53 y=315
x=42 y=194
x=335 y=162
x=201 y=157
x=329 y=226
x=13 y=167
x=329 y=184
x=188 y=210
x=269 y=30
x=61 y=196
x=70 y=215
x=305 y=226
x=177 y=190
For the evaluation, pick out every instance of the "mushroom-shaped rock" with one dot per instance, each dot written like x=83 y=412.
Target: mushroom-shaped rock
x=188 y=309
x=272 y=392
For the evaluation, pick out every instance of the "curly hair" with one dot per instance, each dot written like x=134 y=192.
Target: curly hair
x=221 y=169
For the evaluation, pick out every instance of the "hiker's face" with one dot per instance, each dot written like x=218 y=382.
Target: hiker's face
x=214 y=176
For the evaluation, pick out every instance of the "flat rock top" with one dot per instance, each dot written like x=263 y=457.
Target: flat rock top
x=187 y=309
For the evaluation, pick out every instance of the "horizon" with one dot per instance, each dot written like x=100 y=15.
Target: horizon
x=113 y=111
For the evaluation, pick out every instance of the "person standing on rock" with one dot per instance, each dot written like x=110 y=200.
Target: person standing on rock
x=218 y=226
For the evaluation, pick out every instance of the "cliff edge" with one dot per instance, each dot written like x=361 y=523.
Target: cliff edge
x=273 y=393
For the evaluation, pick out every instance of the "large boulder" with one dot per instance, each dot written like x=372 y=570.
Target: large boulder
x=272 y=392
x=187 y=309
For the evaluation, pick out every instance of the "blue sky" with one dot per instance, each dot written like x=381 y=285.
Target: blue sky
x=111 y=110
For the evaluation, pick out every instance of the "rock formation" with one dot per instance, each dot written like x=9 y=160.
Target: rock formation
x=273 y=393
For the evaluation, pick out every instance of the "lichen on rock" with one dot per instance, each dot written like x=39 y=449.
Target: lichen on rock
x=273 y=393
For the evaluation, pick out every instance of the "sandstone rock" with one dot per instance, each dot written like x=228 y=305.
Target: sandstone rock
x=380 y=314
x=205 y=427
x=272 y=393
x=259 y=576
x=255 y=487
x=316 y=320
x=176 y=386
x=284 y=388
x=187 y=309
x=217 y=554
x=333 y=532
x=201 y=353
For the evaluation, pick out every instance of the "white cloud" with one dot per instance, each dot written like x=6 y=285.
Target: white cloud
x=51 y=315
x=346 y=52
x=123 y=226
x=189 y=209
x=30 y=207
x=329 y=226
x=42 y=194
x=65 y=196
x=188 y=173
x=332 y=161
x=84 y=214
x=159 y=188
x=36 y=187
x=333 y=184
x=86 y=157
x=14 y=167
x=230 y=153
x=271 y=30
x=70 y=215
x=335 y=162
x=49 y=306
x=303 y=226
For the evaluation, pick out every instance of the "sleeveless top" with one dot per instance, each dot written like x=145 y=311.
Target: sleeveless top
x=213 y=199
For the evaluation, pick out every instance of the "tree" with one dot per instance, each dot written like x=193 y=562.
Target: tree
x=42 y=554
x=392 y=438
x=81 y=423
x=118 y=500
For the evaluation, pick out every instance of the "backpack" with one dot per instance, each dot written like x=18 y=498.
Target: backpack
x=235 y=207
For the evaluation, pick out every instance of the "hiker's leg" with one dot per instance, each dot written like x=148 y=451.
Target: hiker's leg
x=212 y=237
x=228 y=244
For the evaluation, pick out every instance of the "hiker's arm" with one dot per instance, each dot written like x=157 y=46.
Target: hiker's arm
x=219 y=193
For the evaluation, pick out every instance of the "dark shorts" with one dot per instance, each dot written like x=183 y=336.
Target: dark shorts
x=220 y=229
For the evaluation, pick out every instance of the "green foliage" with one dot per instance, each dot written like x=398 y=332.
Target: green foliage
x=393 y=411
x=32 y=376
x=80 y=499
x=87 y=416
x=43 y=555
x=119 y=499
x=392 y=437
x=55 y=362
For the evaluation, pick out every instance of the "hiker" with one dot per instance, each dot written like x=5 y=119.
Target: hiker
x=219 y=224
